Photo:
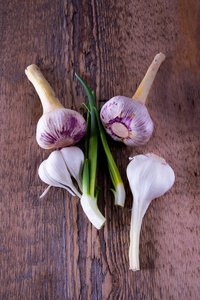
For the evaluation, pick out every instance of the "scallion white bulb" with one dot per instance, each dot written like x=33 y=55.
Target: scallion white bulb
x=149 y=177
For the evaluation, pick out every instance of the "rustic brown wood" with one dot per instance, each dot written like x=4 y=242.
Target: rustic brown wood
x=48 y=250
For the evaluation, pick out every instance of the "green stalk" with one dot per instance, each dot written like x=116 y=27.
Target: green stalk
x=119 y=191
x=90 y=193
x=91 y=138
x=86 y=172
x=115 y=176
x=87 y=136
x=92 y=152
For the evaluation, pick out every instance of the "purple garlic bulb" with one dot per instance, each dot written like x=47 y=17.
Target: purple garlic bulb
x=58 y=127
x=127 y=119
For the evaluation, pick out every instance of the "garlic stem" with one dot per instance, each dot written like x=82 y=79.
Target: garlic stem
x=136 y=223
x=145 y=86
x=43 y=88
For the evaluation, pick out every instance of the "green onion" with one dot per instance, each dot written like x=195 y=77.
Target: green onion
x=119 y=191
x=90 y=192
x=115 y=176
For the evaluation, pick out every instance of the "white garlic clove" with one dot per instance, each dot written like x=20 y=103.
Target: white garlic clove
x=45 y=177
x=74 y=159
x=127 y=120
x=149 y=177
x=57 y=169
x=152 y=174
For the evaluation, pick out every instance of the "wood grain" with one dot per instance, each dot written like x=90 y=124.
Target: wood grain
x=48 y=249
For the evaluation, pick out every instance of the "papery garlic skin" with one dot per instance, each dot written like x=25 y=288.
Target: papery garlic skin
x=58 y=127
x=127 y=120
x=149 y=177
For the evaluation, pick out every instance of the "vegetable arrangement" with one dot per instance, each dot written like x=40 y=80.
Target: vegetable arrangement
x=124 y=119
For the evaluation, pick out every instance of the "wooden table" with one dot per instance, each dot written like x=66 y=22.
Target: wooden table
x=48 y=249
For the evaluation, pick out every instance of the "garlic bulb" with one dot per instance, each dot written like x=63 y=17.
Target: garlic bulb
x=149 y=177
x=127 y=119
x=58 y=168
x=58 y=127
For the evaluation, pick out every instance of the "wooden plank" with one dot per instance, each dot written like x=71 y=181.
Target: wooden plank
x=48 y=249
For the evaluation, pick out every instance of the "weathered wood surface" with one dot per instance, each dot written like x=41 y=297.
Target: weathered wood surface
x=48 y=250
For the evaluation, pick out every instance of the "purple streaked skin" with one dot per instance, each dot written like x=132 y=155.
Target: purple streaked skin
x=130 y=113
x=60 y=128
